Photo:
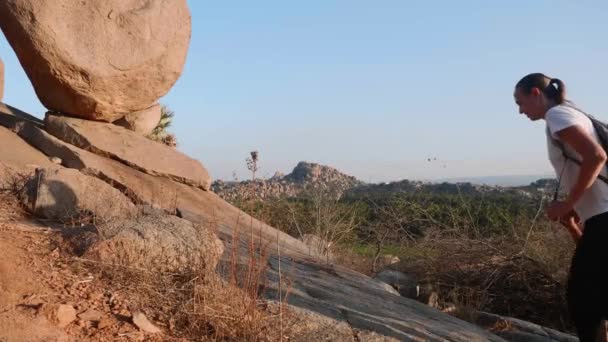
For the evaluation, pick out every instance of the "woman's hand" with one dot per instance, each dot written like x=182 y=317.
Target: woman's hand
x=570 y=218
x=558 y=210
x=573 y=223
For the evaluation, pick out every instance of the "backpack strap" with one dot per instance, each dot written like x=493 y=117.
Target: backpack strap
x=561 y=146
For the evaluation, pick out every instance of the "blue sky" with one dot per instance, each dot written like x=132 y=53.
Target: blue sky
x=373 y=88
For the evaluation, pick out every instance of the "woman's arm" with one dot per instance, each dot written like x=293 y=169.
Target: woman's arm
x=593 y=160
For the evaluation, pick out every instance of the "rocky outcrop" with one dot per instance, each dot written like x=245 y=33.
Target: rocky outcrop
x=98 y=60
x=129 y=148
x=158 y=241
x=142 y=122
x=305 y=177
x=68 y=195
x=314 y=173
x=347 y=296
x=188 y=202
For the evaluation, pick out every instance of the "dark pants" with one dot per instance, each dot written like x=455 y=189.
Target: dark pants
x=587 y=291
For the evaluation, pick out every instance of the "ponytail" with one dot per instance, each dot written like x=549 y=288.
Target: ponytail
x=553 y=88
x=556 y=91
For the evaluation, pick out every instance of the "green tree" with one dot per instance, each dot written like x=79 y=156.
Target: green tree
x=160 y=133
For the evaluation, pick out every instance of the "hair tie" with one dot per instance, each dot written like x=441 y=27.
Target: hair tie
x=554 y=82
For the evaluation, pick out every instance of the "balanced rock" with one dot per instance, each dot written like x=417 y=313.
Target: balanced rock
x=98 y=60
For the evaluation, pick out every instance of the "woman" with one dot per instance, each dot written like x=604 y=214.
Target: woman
x=542 y=97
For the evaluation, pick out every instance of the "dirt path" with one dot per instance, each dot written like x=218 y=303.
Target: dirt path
x=21 y=290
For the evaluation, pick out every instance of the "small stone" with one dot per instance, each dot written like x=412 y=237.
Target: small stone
x=95 y=296
x=62 y=315
x=137 y=337
x=56 y=160
x=124 y=312
x=91 y=315
x=141 y=321
x=104 y=322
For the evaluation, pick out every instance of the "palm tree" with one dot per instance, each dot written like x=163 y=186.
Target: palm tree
x=159 y=133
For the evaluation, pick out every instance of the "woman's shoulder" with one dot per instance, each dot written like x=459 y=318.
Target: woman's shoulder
x=565 y=112
x=563 y=116
x=563 y=109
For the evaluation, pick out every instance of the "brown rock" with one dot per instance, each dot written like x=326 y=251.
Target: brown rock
x=142 y=322
x=90 y=315
x=142 y=122
x=130 y=148
x=98 y=60
x=157 y=241
x=67 y=194
x=61 y=315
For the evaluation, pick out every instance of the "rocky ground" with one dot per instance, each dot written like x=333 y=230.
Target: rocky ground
x=48 y=295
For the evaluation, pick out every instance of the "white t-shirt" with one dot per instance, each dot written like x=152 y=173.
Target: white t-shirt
x=595 y=200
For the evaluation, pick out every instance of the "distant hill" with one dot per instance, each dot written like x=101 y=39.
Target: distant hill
x=308 y=175
x=303 y=177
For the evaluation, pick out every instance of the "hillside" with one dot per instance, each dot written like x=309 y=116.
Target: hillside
x=306 y=176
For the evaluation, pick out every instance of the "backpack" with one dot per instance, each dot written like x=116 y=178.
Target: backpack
x=601 y=129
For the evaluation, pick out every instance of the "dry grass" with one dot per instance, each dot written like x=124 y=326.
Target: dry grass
x=11 y=181
x=353 y=260
x=192 y=304
x=505 y=276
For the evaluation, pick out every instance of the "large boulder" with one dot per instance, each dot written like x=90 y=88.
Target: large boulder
x=158 y=241
x=98 y=60
x=68 y=195
x=130 y=148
